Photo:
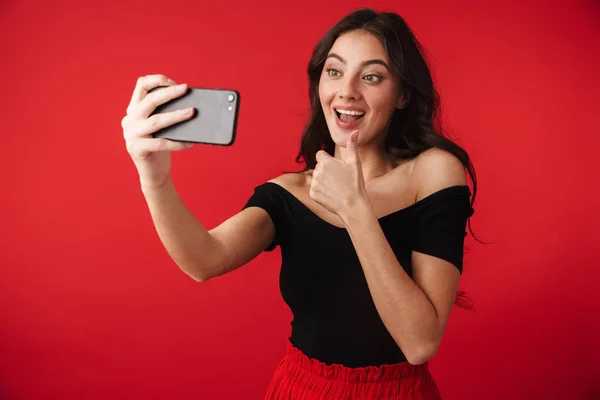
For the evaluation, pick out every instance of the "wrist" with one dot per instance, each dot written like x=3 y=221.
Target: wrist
x=149 y=188
x=358 y=212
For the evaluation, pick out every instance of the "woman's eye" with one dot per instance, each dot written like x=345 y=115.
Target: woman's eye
x=372 y=78
x=332 y=72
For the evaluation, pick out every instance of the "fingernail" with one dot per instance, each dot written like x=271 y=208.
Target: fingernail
x=171 y=82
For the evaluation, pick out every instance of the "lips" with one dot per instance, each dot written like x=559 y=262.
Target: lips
x=348 y=118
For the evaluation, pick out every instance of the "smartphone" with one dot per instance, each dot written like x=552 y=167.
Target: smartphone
x=214 y=121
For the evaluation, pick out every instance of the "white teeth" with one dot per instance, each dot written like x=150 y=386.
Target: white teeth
x=350 y=112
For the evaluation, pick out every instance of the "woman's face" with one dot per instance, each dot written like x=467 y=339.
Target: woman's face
x=357 y=89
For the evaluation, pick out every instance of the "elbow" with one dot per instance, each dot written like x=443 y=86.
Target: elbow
x=197 y=274
x=419 y=359
x=200 y=277
x=422 y=354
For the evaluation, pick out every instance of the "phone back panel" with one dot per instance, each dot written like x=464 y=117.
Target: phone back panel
x=214 y=120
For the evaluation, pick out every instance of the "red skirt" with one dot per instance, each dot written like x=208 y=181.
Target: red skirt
x=299 y=377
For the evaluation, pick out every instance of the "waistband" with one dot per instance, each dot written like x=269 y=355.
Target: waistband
x=382 y=373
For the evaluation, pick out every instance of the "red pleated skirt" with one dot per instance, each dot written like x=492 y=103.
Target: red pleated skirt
x=298 y=377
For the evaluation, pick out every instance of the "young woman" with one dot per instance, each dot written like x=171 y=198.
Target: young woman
x=371 y=231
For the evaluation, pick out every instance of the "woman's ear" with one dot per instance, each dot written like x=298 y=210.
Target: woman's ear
x=403 y=100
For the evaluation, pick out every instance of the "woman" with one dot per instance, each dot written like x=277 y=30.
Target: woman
x=371 y=231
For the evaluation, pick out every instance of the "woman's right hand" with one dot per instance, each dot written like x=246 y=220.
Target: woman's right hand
x=152 y=156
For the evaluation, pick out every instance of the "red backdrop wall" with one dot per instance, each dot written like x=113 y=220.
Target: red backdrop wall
x=92 y=307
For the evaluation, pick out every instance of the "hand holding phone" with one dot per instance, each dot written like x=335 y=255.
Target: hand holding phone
x=152 y=156
x=214 y=120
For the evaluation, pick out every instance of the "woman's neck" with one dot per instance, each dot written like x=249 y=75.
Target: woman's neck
x=374 y=162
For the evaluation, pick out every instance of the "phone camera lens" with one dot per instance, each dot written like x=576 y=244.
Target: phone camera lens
x=230 y=98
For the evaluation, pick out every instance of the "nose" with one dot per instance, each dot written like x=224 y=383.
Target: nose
x=349 y=90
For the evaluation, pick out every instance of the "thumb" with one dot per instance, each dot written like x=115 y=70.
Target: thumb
x=352 y=147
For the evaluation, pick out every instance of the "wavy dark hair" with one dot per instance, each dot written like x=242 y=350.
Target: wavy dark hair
x=415 y=128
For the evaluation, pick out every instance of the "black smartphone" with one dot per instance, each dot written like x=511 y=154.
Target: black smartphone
x=214 y=120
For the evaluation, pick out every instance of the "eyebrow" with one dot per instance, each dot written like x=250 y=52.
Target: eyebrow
x=363 y=64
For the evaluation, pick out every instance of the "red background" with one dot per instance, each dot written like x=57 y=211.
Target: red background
x=92 y=307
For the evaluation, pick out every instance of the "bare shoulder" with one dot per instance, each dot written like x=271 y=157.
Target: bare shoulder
x=292 y=181
x=436 y=169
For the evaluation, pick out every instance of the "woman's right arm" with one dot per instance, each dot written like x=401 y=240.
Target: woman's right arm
x=199 y=253
x=203 y=254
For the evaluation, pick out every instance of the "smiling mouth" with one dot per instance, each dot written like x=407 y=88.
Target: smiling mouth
x=349 y=116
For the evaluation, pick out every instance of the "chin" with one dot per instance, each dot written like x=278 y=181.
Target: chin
x=340 y=136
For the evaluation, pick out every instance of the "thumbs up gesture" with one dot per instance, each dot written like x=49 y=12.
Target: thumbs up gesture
x=338 y=185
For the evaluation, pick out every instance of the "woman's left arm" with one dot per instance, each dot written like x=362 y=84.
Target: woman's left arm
x=415 y=311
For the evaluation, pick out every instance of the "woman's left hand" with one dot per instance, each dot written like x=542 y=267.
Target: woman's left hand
x=338 y=185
